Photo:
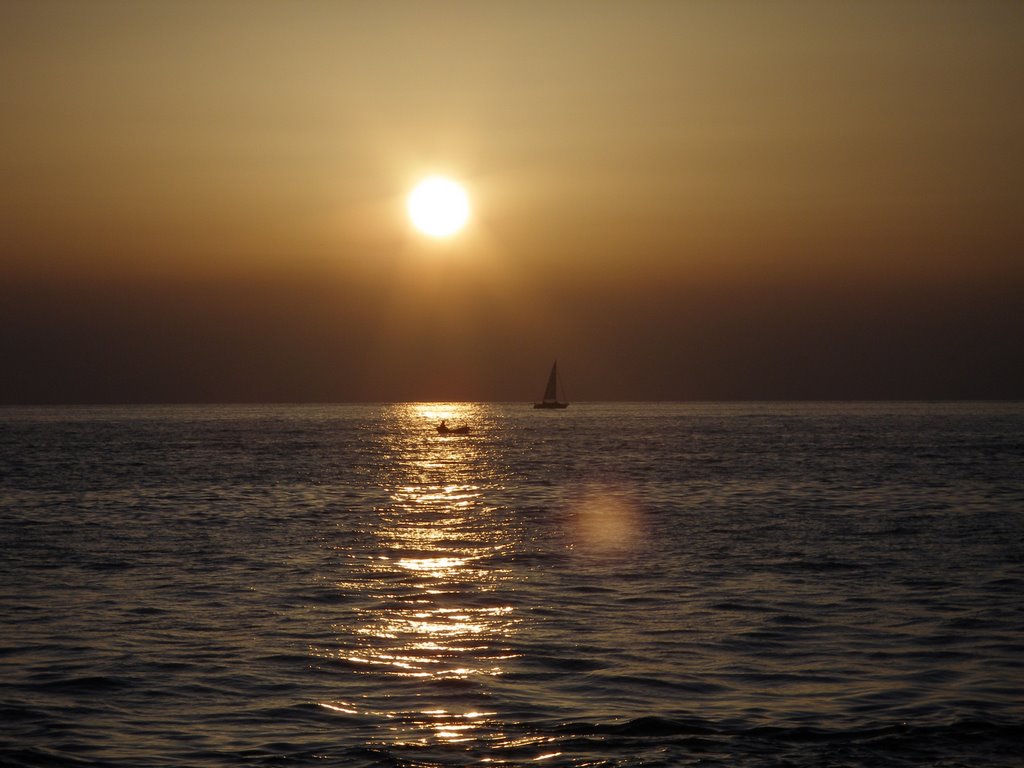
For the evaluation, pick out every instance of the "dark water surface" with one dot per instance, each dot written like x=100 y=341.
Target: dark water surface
x=612 y=585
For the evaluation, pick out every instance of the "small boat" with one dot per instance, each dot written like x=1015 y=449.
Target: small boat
x=550 y=399
x=444 y=429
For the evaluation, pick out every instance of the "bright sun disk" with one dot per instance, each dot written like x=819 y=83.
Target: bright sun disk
x=438 y=206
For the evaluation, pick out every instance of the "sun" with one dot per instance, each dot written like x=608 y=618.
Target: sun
x=438 y=206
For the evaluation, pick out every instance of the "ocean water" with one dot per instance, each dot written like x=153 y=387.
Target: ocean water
x=831 y=584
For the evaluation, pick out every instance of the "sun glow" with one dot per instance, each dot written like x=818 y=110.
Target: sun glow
x=438 y=207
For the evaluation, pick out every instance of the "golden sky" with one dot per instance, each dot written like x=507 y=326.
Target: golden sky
x=205 y=201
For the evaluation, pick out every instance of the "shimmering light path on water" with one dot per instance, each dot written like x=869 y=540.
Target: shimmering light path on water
x=613 y=585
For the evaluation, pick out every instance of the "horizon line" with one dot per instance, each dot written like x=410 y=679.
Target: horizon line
x=222 y=403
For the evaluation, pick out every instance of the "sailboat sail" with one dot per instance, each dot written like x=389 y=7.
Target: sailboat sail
x=551 y=391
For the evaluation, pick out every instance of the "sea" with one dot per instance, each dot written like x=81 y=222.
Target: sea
x=615 y=584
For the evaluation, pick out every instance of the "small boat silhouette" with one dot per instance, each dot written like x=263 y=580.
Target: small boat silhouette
x=550 y=399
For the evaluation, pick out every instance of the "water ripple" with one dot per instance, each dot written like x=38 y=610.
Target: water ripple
x=744 y=585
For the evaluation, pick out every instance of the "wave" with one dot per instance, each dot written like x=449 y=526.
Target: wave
x=661 y=741
x=652 y=741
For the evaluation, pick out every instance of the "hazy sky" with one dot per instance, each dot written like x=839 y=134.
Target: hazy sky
x=678 y=200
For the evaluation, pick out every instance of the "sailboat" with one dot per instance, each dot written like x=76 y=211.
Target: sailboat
x=551 y=391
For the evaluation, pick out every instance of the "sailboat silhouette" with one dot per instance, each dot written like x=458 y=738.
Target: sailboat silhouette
x=550 y=399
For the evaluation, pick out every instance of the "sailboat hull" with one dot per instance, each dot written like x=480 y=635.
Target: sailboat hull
x=550 y=405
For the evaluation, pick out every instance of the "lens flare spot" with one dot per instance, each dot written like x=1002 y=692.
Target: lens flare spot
x=606 y=520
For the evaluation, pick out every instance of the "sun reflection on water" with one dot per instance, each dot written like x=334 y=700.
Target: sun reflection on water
x=432 y=605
